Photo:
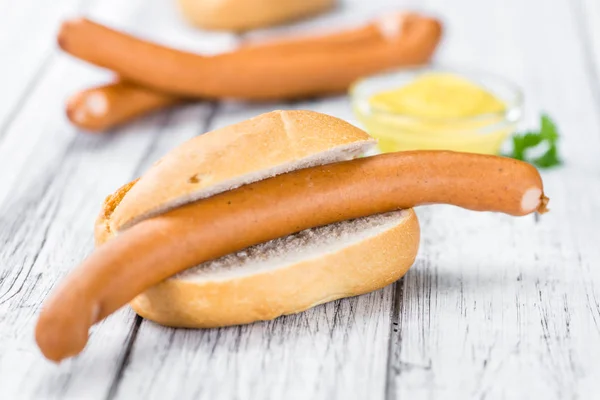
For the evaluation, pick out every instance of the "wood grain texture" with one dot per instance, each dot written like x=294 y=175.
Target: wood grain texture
x=587 y=13
x=26 y=51
x=495 y=307
x=53 y=182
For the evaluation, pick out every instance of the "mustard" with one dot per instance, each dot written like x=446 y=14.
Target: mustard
x=438 y=110
x=438 y=95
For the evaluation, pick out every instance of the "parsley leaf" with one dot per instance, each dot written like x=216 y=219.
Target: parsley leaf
x=549 y=159
x=548 y=135
x=548 y=131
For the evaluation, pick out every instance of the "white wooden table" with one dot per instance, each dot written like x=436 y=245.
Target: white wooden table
x=495 y=307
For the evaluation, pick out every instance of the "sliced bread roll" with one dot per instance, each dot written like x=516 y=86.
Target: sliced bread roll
x=287 y=275
x=282 y=276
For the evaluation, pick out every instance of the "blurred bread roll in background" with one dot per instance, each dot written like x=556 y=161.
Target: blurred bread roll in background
x=243 y=15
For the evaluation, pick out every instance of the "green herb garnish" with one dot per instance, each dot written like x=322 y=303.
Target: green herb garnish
x=547 y=135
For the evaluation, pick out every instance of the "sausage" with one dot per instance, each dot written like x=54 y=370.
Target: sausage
x=125 y=101
x=104 y=107
x=157 y=248
x=254 y=73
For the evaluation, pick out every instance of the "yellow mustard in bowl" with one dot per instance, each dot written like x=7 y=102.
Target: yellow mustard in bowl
x=437 y=109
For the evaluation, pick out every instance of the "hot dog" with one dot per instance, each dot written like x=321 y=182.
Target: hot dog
x=133 y=258
x=254 y=73
x=104 y=107
x=160 y=247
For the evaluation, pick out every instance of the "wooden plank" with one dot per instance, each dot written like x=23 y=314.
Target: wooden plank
x=334 y=351
x=490 y=307
x=587 y=15
x=54 y=180
x=498 y=307
x=27 y=26
x=46 y=228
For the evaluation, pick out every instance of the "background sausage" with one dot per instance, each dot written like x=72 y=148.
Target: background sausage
x=255 y=73
x=104 y=107
x=160 y=247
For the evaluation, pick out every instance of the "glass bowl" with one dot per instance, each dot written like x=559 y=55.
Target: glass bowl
x=482 y=133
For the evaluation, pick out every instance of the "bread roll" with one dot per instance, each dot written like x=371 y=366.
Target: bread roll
x=242 y=15
x=282 y=276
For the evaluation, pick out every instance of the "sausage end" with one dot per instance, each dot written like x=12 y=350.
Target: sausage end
x=543 y=207
x=86 y=110
x=534 y=200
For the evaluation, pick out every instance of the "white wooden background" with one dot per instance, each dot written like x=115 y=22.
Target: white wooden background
x=495 y=307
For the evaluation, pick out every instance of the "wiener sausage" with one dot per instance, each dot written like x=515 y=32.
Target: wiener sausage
x=157 y=248
x=104 y=107
x=101 y=108
x=255 y=73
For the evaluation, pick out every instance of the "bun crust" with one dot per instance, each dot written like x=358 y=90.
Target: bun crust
x=241 y=15
x=330 y=262
x=249 y=151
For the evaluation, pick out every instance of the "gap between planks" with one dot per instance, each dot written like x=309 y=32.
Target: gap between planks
x=585 y=35
x=214 y=108
x=395 y=339
x=124 y=362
